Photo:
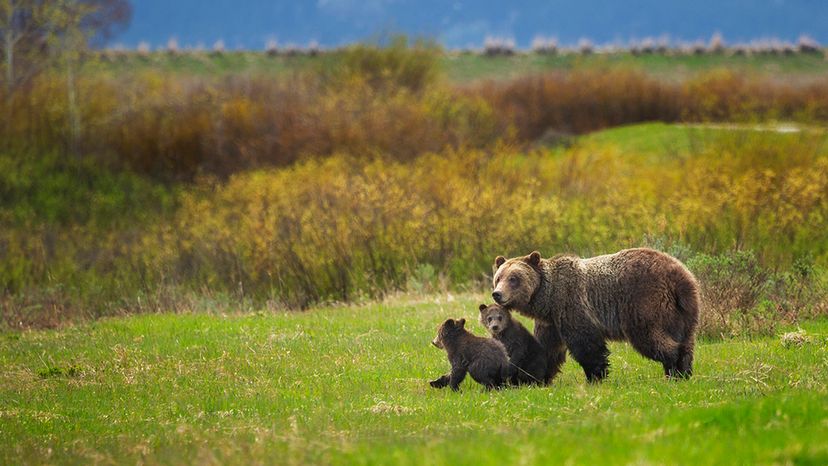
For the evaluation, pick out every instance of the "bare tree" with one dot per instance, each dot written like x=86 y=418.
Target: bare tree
x=107 y=18
x=40 y=34
x=11 y=35
x=34 y=32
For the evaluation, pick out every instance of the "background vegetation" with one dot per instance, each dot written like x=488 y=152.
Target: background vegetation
x=369 y=172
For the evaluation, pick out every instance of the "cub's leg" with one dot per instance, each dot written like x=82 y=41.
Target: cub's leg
x=440 y=382
x=457 y=375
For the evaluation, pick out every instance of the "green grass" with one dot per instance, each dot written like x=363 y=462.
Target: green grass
x=655 y=143
x=469 y=67
x=349 y=385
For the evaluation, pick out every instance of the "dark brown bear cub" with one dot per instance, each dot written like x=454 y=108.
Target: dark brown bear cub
x=484 y=359
x=525 y=353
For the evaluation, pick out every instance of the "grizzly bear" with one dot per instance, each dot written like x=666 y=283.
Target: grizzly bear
x=484 y=359
x=526 y=355
x=638 y=295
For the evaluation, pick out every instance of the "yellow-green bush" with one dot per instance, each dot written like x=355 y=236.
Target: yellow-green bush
x=344 y=227
x=338 y=228
x=413 y=67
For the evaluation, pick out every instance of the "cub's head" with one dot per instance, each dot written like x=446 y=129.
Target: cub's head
x=495 y=318
x=447 y=330
x=515 y=280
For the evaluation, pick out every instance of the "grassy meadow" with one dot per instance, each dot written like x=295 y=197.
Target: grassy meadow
x=242 y=258
x=348 y=385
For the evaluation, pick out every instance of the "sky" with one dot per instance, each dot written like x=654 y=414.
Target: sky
x=250 y=24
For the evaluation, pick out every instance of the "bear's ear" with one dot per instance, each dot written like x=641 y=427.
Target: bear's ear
x=483 y=307
x=534 y=258
x=461 y=323
x=499 y=260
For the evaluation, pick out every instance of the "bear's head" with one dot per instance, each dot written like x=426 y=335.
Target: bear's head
x=447 y=330
x=515 y=280
x=495 y=318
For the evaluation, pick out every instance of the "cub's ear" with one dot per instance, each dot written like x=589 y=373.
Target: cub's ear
x=483 y=307
x=533 y=258
x=499 y=260
x=461 y=323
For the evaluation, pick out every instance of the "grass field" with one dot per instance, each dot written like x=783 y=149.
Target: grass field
x=349 y=385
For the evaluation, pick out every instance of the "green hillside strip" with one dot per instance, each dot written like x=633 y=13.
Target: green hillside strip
x=654 y=141
x=348 y=385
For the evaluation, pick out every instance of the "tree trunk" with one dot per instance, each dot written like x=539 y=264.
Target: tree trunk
x=8 y=37
x=73 y=112
x=8 y=40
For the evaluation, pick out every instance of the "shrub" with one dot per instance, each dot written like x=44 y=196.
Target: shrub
x=396 y=66
x=349 y=227
x=365 y=99
x=732 y=288
x=498 y=46
x=545 y=45
x=578 y=102
x=742 y=297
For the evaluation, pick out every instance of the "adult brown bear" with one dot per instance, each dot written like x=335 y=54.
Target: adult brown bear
x=640 y=295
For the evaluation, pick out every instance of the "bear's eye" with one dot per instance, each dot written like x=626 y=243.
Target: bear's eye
x=490 y=318
x=513 y=281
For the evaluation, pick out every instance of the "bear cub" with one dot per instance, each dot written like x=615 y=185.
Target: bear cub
x=526 y=354
x=485 y=359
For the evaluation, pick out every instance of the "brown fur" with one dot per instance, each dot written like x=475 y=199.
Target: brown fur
x=485 y=359
x=639 y=295
x=525 y=353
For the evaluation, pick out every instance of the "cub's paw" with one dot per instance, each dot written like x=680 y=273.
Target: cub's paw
x=441 y=382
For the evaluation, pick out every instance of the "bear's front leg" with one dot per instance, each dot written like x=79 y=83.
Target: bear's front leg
x=440 y=382
x=458 y=373
x=550 y=339
x=589 y=348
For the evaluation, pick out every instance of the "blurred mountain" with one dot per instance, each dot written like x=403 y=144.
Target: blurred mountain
x=251 y=23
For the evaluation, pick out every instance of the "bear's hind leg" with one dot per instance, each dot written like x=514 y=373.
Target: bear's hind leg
x=660 y=347
x=684 y=366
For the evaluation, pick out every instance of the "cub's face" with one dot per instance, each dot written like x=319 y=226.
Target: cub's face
x=446 y=329
x=515 y=280
x=495 y=318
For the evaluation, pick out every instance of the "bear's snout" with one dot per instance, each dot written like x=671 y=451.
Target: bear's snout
x=498 y=297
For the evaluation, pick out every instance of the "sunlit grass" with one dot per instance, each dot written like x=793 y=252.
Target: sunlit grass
x=349 y=385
